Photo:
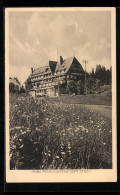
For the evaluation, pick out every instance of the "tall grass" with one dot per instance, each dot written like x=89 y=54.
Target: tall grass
x=57 y=136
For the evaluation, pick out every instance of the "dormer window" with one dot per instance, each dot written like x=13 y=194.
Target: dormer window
x=46 y=69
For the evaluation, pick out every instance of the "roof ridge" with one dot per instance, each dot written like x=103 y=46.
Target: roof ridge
x=46 y=64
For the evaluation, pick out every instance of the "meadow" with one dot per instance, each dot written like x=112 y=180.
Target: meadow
x=44 y=135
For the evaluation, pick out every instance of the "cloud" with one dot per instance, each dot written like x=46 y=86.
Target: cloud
x=36 y=37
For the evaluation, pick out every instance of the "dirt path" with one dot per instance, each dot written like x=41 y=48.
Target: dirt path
x=103 y=110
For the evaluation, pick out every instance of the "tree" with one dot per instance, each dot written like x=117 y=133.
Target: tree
x=80 y=87
x=93 y=85
x=103 y=75
x=92 y=74
x=11 y=88
x=71 y=87
x=22 y=90
x=28 y=84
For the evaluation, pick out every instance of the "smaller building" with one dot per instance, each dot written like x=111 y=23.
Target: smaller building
x=14 y=85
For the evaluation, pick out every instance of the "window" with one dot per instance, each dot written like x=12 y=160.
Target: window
x=68 y=76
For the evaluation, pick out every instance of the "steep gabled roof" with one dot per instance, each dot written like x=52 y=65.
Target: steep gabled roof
x=39 y=70
x=67 y=64
x=44 y=69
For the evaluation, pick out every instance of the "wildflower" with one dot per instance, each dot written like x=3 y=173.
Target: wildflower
x=38 y=129
x=77 y=129
x=63 y=153
x=103 y=143
x=64 y=134
x=47 y=119
x=83 y=128
x=23 y=133
x=57 y=157
x=14 y=147
x=81 y=137
x=69 y=129
x=87 y=131
x=21 y=146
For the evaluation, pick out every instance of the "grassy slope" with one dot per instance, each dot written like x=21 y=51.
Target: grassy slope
x=104 y=98
x=96 y=99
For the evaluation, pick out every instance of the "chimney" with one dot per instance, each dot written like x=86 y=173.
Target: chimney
x=61 y=60
x=31 y=70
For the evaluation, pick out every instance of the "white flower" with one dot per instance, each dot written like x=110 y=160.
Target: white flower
x=103 y=143
x=57 y=157
x=21 y=146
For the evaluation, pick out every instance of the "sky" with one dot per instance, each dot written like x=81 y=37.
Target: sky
x=35 y=37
